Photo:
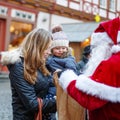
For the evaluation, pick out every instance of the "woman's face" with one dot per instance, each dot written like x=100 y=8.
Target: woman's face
x=47 y=52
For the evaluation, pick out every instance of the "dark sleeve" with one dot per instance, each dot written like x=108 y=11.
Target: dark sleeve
x=27 y=93
x=79 y=65
x=51 y=82
x=48 y=61
x=49 y=106
x=24 y=89
x=71 y=64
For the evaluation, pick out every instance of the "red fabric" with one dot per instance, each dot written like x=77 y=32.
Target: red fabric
x=85 y=100
x=109 y=111
x=108 y=72
x=111 y=27
x=98 y=109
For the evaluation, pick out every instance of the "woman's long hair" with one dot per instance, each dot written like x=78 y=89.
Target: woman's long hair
x=33 y=47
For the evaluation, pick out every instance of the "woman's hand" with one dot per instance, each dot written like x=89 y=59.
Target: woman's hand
x=49 y=106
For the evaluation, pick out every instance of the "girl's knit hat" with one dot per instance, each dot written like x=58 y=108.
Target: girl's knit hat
x=59 y=37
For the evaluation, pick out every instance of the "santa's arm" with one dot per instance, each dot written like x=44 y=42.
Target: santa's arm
x=70 y=83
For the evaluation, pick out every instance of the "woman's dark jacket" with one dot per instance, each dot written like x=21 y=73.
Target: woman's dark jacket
x=24 y=94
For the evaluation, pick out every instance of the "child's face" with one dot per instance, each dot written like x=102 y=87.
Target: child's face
x=59 y=51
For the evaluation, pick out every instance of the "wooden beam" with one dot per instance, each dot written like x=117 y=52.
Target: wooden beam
x=53 y=8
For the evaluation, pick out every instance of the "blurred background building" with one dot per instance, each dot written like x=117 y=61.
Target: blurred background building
x=78 y=17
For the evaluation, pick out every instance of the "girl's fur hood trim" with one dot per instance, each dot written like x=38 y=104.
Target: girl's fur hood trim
x=10 y=57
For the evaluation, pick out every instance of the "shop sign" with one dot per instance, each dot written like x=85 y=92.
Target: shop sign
x=3 y=10
x=23 y=15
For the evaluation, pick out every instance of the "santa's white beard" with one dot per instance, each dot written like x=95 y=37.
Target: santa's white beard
x=98 y=54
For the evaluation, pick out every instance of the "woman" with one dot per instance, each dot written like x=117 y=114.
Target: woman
x=29 y=76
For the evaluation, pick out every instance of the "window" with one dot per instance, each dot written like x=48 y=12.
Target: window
x=103 y=3
x=18 y=31
x=3 y=10
x=62 y=2
x=112 y=5
x=76 y=0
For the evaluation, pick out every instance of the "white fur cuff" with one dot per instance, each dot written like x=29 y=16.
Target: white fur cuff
x=66 y=77
x=115 y=48
x=97 y=89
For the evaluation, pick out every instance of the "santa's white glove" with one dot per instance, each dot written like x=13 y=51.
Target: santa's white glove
x=66 y=77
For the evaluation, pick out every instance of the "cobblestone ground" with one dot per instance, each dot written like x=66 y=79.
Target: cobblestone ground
x=5 y=100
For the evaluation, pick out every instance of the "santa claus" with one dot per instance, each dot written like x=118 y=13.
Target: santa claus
x=98 y=89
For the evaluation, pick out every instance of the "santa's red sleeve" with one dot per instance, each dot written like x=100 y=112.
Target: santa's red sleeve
x=95 y=91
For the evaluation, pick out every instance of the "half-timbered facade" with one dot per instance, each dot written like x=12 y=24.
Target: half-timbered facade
x=18 y=17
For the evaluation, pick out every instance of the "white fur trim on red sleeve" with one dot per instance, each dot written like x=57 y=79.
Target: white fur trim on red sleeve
x=118 y=37
x=115 y=48
x=97 y=89
x=66 y=77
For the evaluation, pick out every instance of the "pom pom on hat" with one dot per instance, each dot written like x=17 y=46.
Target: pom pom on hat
x=57 y=28
x=59 y=37
x=108 y=31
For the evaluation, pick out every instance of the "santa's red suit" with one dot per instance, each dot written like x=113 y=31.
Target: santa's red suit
x=100 y=92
